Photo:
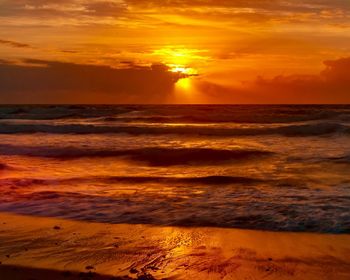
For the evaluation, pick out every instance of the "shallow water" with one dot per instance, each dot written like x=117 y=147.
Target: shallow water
x=280 y=168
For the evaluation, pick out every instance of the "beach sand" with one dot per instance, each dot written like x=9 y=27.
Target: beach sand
x=50 y=248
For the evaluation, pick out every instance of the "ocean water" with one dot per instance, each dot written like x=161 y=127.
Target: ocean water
x=279 y=168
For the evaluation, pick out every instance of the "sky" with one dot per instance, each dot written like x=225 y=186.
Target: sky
x=164 y=51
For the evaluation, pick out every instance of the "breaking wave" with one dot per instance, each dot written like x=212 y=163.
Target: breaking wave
x=243 y=208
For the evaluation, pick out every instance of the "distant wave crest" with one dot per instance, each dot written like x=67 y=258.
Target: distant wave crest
x=314 y=129
x=175 y=113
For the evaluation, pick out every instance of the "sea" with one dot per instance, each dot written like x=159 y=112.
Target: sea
x=261 y=167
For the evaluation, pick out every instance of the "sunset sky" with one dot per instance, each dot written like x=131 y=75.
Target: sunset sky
x=163 y=51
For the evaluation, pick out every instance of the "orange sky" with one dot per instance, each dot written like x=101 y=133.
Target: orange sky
x=242 y=51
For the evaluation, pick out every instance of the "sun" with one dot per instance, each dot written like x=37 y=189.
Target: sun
x=180 y=60
x=182 y=69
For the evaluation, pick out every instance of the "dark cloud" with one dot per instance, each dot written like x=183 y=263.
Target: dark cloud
x=58 y=82
x=331 y=86
x=14 y=44
x=337 y=71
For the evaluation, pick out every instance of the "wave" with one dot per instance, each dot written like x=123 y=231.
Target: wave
x=151 y=156
x=314 y=129
x=232 y=117
x=4 y=166
x=206 y=180
x=56 y=112
x=342 y=159
x=179 y=113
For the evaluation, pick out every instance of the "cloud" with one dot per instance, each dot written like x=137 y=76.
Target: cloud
x=332 y=85
x=14 y=44
x=267 y=5
x=65 y=8
x=245 y=37
x=57 y=82
x=248 y=10
x=105 y=8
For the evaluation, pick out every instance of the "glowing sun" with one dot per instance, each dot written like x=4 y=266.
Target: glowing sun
x=182 y=69
x=179 y=59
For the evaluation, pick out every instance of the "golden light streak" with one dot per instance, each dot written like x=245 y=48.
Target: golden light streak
x=184 y=85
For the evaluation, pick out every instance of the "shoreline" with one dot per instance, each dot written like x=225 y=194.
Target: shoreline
x=51 y=248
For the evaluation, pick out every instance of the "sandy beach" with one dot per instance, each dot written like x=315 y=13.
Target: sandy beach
x=50 y=248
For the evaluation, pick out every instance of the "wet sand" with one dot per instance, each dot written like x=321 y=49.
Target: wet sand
x=49 y=248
